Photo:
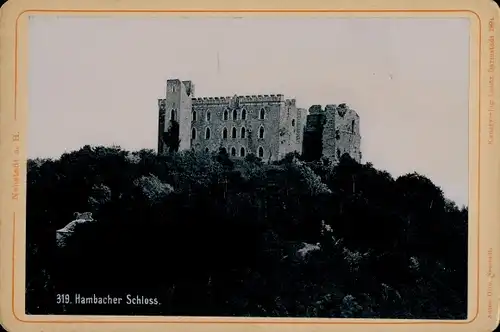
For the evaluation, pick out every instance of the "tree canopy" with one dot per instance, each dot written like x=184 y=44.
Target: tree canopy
x=213 y=236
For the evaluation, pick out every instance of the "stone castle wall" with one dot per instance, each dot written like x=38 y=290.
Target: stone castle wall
x=291 y=128
x=299 y=134
x=329 y=142
x=233 y=116
x=209 y=123
x=313 y=133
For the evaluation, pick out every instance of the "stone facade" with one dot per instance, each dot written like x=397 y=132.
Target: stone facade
x=268 y=126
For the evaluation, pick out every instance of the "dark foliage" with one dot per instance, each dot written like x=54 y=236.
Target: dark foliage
x=171 y=137
x=208 y=235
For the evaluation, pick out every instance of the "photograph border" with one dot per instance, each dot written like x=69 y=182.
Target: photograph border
x=477 y=210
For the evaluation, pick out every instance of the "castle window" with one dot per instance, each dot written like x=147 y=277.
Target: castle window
x=338 y=153
x=337 y=134
x=225 y=115
x=243 y=132
x=206 y=150
x=208 y=116
x=193 y=133
x=244 y=114
x=194 y=115
x=293 y=122
x=233 y=151
x=207 y=133
x=262 y=114
x=235 y=115
x=223 y=150
x=261 y=132
x=261 y=152
x=242 y=152
x=224 y=133
x=173 y=88
x=172 y=115
x=234 y=133
x=352 y=126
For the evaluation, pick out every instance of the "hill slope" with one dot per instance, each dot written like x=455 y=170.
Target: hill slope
x=206 y=235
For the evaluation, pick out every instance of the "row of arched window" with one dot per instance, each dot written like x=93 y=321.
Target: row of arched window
x=234 y=133
x=260 y=151
x=208 y=115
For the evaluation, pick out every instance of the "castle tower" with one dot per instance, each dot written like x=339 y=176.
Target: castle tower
x=347 y=132
x=331 y=133
x=341 y=133
x=175 y=134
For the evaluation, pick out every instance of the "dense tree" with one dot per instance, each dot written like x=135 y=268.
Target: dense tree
x=171 y=137
x=208 y=235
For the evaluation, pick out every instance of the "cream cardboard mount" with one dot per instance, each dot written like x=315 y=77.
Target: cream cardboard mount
x=336 y=167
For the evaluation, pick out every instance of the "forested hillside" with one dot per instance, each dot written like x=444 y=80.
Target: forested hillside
x=209 y=236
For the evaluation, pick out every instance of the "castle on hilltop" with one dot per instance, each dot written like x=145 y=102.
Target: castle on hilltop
x=268 y=126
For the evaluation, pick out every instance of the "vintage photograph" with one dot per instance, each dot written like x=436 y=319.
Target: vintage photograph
x=250 y=166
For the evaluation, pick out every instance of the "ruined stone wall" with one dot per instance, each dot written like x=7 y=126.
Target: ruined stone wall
x=301 y=124
x=185 y=117
x=328 y=137
x=332 y=132
x=283 y=134
x=216 y=123
x=284 y=128
x=189 y=88
x=347 y=132
x=291 y=128
x=313 y=134
x=172 y=102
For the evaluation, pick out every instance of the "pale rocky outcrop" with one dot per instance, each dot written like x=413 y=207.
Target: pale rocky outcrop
x=64 y=235
x=308 y=248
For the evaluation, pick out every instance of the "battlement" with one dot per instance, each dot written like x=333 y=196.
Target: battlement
x=290 y=102
x=210 y=100
x=241 y=99
x=261 y=98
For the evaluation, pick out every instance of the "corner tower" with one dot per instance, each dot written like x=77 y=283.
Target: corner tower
x=174 y=132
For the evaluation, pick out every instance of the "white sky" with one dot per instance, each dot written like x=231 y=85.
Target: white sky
x=97 y=80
